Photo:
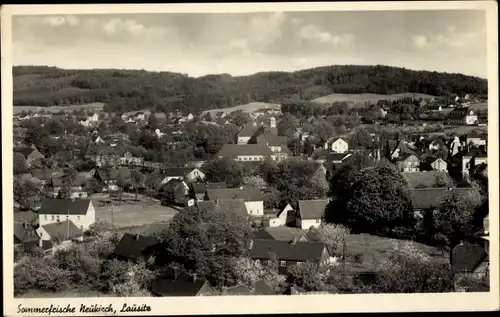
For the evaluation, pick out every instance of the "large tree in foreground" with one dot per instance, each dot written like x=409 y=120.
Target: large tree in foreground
x=205 y=242
x=378 y=200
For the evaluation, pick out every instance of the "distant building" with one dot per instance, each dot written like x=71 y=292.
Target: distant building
x=198 y=190
x=245 y=152
x=80 y=212
x=337 y=145
x=135 y=247
x=246 y=133
x=175 y=283
x=311 y=213
x=253 y=198
x=473 y=158
x=288 y=253
x=462 y=116
x=282 y=218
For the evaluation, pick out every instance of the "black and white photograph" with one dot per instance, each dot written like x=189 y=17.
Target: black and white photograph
x=266 y=152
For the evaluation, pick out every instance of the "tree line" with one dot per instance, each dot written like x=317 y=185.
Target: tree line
x=127 y=90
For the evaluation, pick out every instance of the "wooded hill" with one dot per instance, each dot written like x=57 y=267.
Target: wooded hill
x=127 y=90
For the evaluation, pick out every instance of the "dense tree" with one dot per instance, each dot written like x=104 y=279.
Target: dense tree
x=165 y=91
x=224 y=170
x=207 y=241
x=307 y=276
x=20 y=164
x=27 y=194
x=239 y=118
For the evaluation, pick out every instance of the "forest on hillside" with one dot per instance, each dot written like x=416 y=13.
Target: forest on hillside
x=127 y=90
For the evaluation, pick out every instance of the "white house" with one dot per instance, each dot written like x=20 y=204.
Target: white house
x=80 y=212
x=254 y=202
x=281 y=218
x=194 y=174
x=245 y=152
x=337 y=145
x=188 y=174
x=473 y=158
x=128 y=158
x=439 y=165
x=58 y=235
x=189 y=117
x=310 y=213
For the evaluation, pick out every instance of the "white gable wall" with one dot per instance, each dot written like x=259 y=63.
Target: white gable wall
x=80 y=221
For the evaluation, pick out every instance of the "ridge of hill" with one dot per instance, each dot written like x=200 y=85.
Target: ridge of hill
x=128 y=90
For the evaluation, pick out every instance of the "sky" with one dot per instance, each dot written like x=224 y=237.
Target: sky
x=245 y=43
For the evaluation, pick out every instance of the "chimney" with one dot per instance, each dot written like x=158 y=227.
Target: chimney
x=294 y=241
x=250 y=244
x=194 y=277
x=136 y=237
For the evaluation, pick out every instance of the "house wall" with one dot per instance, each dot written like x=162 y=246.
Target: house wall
x=471 y=119
x=307 y=223
x=411 y=164
x=195 y=174
x=243 y=139
x=255 y=208
x=279 y=157
x=340 y=146
x=439 y=165
x=249 y=158
x=275 y=148
x=79 y=220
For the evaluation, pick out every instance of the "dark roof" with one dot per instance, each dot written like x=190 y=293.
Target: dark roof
x=64 y=206
x=313 y=235
x=25 y=216
x=337 y=157
x=312 y=209
x=25 y=151
x=238 y=290
x=467 y=257
x=262 y=234
x=285 y=250
x=182 y=285
x=424 y=198
x=476 y=152
x=234 y=150
x=231 y=205
x=247 y=194
x=205 y=206
x=283 y=233
x=80 y=180
x=24 y=233
x=200 y=188
x=177 y=171
x=160 y=115
x=134 y=246
x=271 y=139
x=458 y=112
x=114 y=173
x=63 y=230
x=248 y=131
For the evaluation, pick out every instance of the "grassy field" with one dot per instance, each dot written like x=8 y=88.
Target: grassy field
x=95 y=106
x=377 y=249
x=130 y=214
x=362 y=98
x=465 y=129
x=249 y=107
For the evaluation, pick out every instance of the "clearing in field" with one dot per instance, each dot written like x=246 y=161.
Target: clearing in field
x=249 y=107
x=374 y=251
x=360 y=99
x=131 y=213
x=479 y=106
x=95 y=106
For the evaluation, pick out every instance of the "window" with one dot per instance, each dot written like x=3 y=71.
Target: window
x=53 y=217
x=282 y=263
x=45 y=217
x=257 y=261
x=67 y=217
x=58 y=219
x=317 y=220
x=78 y=217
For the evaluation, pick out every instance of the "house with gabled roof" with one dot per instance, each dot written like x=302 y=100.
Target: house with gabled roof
x=189 y=174
x=310 y=213
x=31 y=154
x=473 y=158
x=197 y=190
x=252 y=197
x=281 y=218
x=77 y=189
x=246 y=133
x=59 y=234
x=80 y=212
x=172 y=282
x=282 y=233
x=462 y=116
x=245 y=152
x=288 y=253
x=260 y=287
x=337 y=145
x=25 y=234
x=135 y=247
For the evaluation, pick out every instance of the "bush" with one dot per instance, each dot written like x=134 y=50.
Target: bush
x=101 y=247
x=129 y=289
x=81 y=266
x=44 y=275
x=358 y=258
x=113 y=272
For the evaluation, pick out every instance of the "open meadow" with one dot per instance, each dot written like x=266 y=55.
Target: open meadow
x=132 y=214
x=376 y=250
x=95 y=106
x=249 y=107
